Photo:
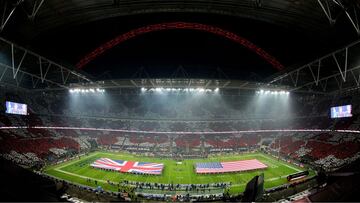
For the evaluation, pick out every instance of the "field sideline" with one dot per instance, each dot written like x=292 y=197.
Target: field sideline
x=79 y=170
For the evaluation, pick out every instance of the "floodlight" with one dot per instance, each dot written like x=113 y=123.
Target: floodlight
x=200 y=89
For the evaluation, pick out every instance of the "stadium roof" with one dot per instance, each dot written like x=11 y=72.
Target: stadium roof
x=294 y=32
x=307 y=16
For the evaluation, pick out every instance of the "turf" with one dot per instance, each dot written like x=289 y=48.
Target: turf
x=79 y=170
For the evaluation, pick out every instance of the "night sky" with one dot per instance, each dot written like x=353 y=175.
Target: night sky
x=161 y=53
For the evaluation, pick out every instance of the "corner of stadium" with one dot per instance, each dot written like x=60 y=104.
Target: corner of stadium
x=183 y=101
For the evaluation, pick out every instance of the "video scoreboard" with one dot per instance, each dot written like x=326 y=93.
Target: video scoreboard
x=15 y=108
x=341 y=111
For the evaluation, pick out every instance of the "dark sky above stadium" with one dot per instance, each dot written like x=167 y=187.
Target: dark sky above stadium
x=199 y=53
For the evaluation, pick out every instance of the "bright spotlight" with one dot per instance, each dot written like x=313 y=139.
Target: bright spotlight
x=200 y=89
x=216 y=89
x=261 y=91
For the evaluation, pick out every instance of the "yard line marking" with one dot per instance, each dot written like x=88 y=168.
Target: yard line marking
x=59 y=169
x=281 y=162
x=80 y=176
x=103 y=181
x=298 y=170
x=71 y=161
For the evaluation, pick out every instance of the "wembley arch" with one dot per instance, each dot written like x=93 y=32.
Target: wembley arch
x=179 y=25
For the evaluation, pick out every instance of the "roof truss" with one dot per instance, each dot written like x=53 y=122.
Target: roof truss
x=335 y=72
x=24 y=68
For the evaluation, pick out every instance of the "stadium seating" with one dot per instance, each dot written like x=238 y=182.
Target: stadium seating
x=317 y=148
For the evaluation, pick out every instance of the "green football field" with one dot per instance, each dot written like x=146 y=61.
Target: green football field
x=79 y=171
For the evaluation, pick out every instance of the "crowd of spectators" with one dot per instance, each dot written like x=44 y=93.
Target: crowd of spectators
x=147 y=113
x=328 y=150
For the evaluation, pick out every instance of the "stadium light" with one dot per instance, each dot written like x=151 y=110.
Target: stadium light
x=200 y=89
x=86 y=90
x=185 y=90
x=275 y=92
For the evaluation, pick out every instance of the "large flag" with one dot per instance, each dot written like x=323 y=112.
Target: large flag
x=231 y=166
x=129 y=166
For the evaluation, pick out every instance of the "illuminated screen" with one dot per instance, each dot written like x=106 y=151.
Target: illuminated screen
x=16 y=108
x=341 y=111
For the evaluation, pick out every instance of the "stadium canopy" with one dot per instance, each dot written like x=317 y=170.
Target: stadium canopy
x=24 y=20
x=313 y=17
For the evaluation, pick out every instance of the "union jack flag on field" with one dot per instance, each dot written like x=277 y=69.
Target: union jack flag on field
x=128 y=166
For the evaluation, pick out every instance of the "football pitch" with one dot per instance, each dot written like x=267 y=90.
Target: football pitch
x=79 y=171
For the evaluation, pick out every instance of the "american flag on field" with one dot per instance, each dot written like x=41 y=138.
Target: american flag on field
x=231 y=166
x=129 y=166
